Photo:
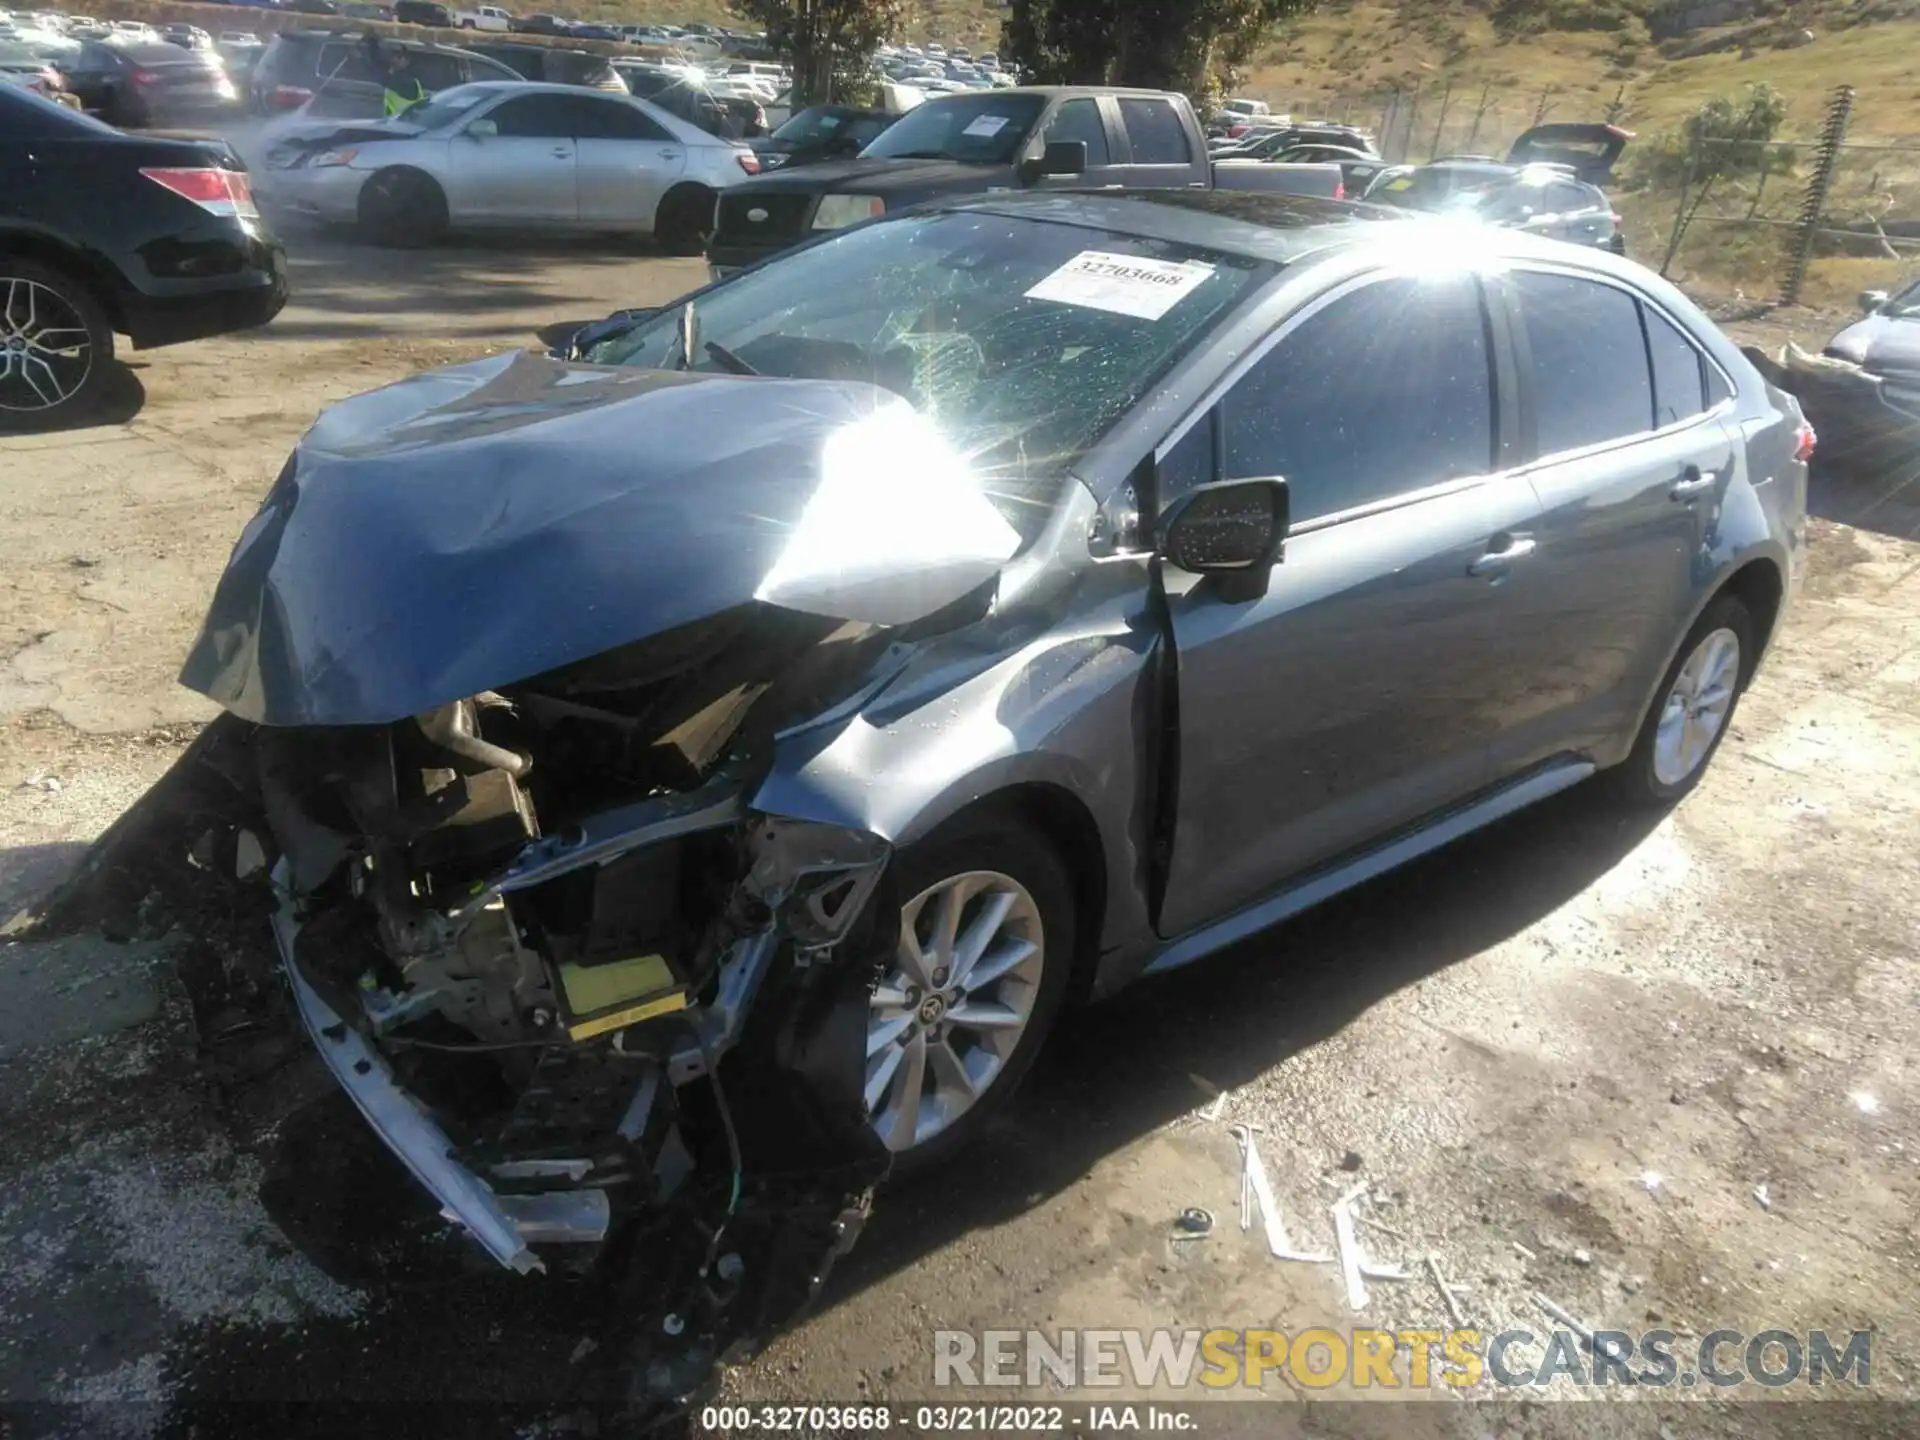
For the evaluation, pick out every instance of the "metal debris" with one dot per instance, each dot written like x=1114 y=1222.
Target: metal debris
x=1446 y=1292
x=1760 y=1194
x=1254 y=1180
x=1524 y=1251
x=1351 y=1259
x=1219 y=1105
x=1563 y=1317
x=1194 y=1221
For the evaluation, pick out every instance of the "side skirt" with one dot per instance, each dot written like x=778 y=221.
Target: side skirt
x=1303 y=894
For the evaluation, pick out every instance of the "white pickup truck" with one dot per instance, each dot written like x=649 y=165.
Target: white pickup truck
x=484 y=17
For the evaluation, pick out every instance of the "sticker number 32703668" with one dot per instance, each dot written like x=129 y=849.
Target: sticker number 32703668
x=1122 y=284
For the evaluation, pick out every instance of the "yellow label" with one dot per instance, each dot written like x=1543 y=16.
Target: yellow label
x=633 y=1015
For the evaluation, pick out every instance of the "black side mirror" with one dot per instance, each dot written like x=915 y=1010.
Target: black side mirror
x=1232 y=528
x=1061 y=157
x=1871 y=301
x=574 y=346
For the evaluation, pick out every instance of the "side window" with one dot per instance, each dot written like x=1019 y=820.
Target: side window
x=1080 y=120
x=612 y=120
x=1189 y=462
x=1679 y=389
x=439 y=72
x=1567 y=199
x=1385 y=391
x=1155 y=130
x=1589 y=376
x=547 y=117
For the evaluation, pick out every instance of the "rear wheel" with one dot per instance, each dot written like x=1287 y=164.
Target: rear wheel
x=1694 y=708
x=979 y=972
x=684 y=220
x=402 y=208
x=56 y=345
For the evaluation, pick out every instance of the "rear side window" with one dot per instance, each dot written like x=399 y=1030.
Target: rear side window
x=1154 y=128
x=443 y=72
x=1080 y=120
x=1385 y=391
x=1679 y=386
x=541 y=116
x=613 y=120
x=1590 y=381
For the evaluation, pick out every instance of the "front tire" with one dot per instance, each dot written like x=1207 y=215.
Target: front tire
x=1694 y=707
x=978 y=977
x=404 y=209
x=56 y=346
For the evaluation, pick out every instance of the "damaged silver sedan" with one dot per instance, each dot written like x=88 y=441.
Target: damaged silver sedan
x=687 y=775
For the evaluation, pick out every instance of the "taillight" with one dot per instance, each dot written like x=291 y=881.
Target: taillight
x=223 y=192
x=290 y=97
x=146 y=77
x=1615 y=217
x=1339 y=189
x=1804 y=441
x=749 y=161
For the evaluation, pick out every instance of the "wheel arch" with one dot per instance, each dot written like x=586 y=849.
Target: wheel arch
x=683 y=192
x=94 y=271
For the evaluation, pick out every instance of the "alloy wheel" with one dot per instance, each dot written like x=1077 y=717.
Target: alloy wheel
x=943 y=1025
x=1696 y=707
x=46 y=353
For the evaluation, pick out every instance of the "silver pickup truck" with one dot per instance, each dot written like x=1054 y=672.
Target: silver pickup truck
x=1043 y=137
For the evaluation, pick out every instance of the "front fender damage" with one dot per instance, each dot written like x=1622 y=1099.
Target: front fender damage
x=632 y=1050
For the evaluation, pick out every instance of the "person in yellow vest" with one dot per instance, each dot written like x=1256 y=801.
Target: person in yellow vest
x=403 y=87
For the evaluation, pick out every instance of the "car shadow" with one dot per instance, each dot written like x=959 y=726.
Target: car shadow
x=120 y=398
x=1883 y=498
x=1112 y=1074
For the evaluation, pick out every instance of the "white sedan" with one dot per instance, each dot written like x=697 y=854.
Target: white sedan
x=518 y=156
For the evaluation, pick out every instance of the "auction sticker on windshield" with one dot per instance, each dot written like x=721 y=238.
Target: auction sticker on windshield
x=1122 y=284
x=985 y=126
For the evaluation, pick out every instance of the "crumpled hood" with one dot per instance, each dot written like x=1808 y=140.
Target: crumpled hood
x=487 y=522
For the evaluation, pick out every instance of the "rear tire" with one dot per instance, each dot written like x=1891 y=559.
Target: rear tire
x=401 y=208
x=985 y=859
x=56 y=346
x=684 y=221
x=1693 y=709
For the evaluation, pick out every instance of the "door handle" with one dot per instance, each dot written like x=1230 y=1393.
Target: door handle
x=1497 y=562
x=562 y=152
x=1692 y=482
x=669 y=154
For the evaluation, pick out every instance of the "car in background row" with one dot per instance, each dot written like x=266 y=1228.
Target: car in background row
x=552 y=65
x=1267 y=144
x=29 y=66
x=423 y=12
x=332 y=76
x=523 y=156
x=105 y=233
x=485 y=17
x=187 y=37
x=134 y=82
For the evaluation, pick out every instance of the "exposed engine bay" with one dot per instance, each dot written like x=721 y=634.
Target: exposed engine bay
x=610 y=1016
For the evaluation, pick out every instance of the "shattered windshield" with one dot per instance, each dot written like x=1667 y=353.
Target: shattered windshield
x=1023 y=340
x=985 y=129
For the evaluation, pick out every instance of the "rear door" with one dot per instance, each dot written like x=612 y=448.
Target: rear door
x=1159 y=150
x=1358 y=695
x=626 y=161
x=524 y=174
x=1630 y=463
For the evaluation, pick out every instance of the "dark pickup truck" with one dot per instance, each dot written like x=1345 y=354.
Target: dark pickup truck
x=1043 y=137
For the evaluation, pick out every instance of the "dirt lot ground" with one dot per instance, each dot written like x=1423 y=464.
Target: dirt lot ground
x=1660 y=1070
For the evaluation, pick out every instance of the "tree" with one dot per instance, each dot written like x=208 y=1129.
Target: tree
x=1728 y=139
x=827 y=41
x=1161 y=44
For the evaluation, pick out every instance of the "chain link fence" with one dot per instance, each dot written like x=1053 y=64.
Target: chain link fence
x=1813 y=216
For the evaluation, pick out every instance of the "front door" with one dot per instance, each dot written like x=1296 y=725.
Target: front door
x=523 y=174
x=1358 y=695
x=1631 y=464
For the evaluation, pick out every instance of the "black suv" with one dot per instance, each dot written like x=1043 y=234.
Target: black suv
x=423 y=12
x=103 y=232
x=553 y=66
x=300 y=64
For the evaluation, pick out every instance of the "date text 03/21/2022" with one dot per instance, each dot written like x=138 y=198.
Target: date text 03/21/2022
x=981 y=1419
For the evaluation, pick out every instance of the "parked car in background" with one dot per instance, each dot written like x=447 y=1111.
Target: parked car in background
x=520 y=155
x=541 y=24
x=27 y=66
x=1544 y=199
x=485 y=17
x=132 y=30
x=1862 y=392
x=134 y=82
x=553 y=65
x=423 y=12
x=1358 y=168
x=1266 y=144
x=187 y=37
x=674 y=91
x=105 y=233
x=332 y=76
x=588 y=30
x=821 y=132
